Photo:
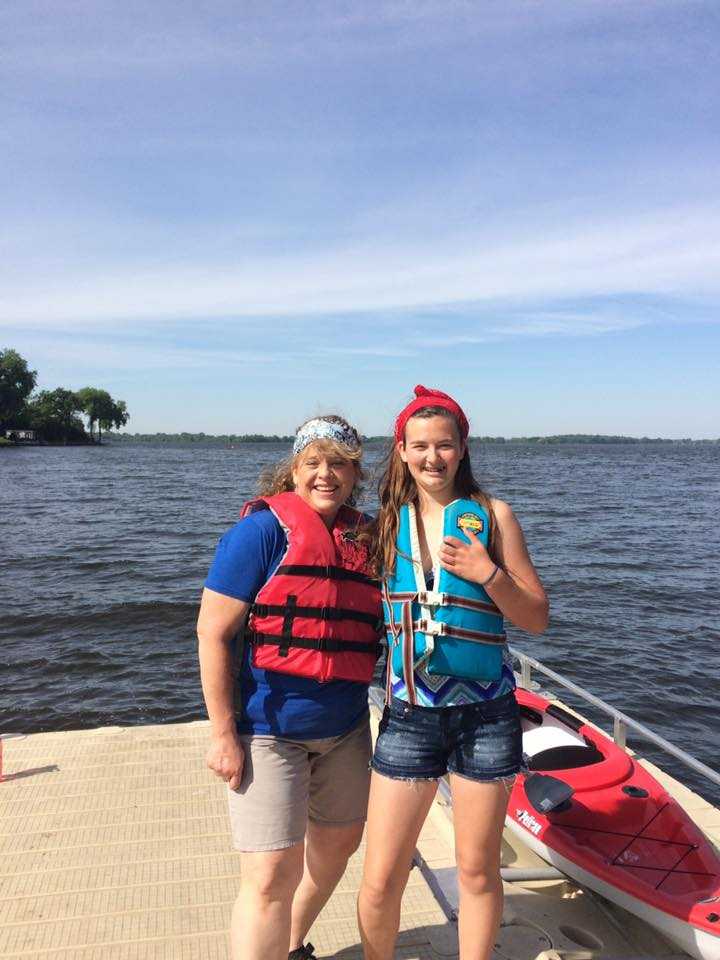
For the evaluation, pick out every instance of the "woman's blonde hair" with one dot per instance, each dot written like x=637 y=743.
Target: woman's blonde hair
x=397 y=488
x=279 y=478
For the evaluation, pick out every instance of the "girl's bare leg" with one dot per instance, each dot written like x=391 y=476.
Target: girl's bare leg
x=478 y=817
x=396 y=814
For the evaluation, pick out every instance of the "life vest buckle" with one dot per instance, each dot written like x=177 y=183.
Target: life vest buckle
x=432 y=598
x=435 y=628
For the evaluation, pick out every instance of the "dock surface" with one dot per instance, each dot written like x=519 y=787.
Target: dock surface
x=115 y=844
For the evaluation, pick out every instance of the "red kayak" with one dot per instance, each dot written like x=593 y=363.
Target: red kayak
x=589 y=809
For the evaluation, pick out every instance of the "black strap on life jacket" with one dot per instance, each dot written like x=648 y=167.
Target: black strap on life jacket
x=316 y=613
x=324 y=644
x=289 y=610
x=325 y=573
x=288 y=616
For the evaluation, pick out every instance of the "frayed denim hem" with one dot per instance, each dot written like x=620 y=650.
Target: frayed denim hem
x=405 y=777
x=508 y=779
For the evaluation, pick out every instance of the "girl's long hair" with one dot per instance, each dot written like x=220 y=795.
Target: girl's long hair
x=278 y=478
x=397 y=488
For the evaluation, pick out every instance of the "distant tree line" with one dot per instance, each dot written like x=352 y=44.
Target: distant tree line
x=54 y=415
x=586 y=438
x=230 y=439
x=185 y=437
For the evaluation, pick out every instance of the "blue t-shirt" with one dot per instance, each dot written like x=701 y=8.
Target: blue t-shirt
x=299 y=708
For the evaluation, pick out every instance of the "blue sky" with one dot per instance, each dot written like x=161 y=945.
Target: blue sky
x=235 y=215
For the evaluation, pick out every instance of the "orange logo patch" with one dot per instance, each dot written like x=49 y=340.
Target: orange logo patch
x=471 y=521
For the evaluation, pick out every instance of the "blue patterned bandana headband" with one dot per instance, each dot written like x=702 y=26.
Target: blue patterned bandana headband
x=319 y=429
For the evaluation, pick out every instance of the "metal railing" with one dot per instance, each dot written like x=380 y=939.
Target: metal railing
x=621 y=722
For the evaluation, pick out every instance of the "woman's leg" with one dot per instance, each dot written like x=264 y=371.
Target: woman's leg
x=268 y=816
x=338 y=795
x=327 y=850
x=478 y=817
x=261 y=915
x=396 y=813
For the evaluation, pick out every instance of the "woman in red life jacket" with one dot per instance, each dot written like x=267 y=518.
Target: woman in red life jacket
x=454 y=562
x=288 y=702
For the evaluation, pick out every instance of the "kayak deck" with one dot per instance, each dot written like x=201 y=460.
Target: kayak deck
x=621 y=825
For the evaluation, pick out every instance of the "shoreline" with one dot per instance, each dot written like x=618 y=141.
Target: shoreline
x=233 y=441
x=185 y=438
x=558 y=438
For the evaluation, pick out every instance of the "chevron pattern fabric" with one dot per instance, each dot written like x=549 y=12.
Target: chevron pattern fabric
x=437 y=691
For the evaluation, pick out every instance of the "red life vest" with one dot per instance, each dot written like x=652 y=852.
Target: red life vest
x=319 y=615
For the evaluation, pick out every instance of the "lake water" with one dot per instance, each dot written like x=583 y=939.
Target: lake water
x=104 y=551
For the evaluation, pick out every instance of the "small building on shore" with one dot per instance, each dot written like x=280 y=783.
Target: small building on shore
x=21 y=436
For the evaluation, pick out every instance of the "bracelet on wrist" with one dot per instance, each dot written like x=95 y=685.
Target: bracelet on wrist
x=491 y=577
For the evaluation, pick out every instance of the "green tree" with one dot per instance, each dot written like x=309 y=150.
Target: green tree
x=95 y=404
x=54 y=414
x=115 y=415
x=99 y=407
x=16 y=385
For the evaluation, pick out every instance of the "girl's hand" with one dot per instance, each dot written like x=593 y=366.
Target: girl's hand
x=471 y=561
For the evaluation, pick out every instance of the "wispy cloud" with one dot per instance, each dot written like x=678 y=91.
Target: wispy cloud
x=676 y=253
x=158 y=36
x=291 y=193
x=402 y=351
x=85 y=355
x=593 y=322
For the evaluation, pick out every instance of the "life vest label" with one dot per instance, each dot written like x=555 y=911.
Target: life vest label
x=471 y=521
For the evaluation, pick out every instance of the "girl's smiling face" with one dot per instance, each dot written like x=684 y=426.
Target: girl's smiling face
x=324 y=480
x=432 y=450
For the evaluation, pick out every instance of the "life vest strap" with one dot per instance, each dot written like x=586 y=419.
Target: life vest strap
x=324 y=644
x=392 y=640
x=434 y=598
x=408 y=651
x=470 y=604
x=325 y=573
x=316 y=613
x=436 y=628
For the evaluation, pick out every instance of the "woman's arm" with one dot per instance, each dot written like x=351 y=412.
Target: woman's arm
x=515 y=586
x=220 y=620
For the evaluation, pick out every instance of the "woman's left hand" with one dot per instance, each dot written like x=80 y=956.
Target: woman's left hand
x=471 y=561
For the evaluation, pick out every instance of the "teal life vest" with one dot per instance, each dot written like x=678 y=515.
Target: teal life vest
x=453 y=629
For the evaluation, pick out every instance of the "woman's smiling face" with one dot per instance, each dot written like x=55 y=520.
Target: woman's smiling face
x=432 y=450
x=324 y=480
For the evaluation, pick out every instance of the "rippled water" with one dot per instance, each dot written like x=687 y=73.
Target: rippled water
x=104 y=551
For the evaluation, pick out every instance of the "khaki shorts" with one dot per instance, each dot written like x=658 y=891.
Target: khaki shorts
x=287 y=782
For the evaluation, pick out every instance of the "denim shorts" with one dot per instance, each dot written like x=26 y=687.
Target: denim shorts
x=481 y=741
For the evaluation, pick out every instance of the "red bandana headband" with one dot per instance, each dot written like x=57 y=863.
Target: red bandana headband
x=431 y=398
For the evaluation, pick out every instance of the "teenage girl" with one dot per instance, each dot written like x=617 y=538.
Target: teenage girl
x=439 y=531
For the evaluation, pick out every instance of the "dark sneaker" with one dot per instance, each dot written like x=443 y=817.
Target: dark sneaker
x=305 y=952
